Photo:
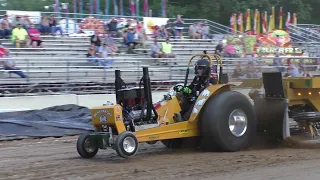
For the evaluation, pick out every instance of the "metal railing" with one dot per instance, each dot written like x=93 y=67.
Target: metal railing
x=68 y=77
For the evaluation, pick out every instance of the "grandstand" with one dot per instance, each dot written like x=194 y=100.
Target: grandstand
x=62 y=67
x=63 y=60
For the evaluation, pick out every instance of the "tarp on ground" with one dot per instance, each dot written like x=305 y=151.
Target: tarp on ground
x=54 y=121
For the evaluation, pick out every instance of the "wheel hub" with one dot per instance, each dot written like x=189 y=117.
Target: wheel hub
x=88 y=147
x=238 y=123
x=129 y=144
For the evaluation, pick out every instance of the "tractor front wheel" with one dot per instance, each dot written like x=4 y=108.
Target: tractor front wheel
x=228 y=122
x=126 y=144
x=85 y=147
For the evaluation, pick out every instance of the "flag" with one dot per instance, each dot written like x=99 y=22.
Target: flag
x=273 y=20
x=98 y=7
x=91 y=7
x=288 y=20
x=146 y=8
x=270 y=24
x=121 y=8
x=280 y=18
x=248 y=20
x=266 y=19
x=255 y=23
x=132 y=7
x=264 y=23
x=240 y=22
x=94 y=5
x=138 y=8
x=232 y=23
x=115 y=7
x=258 y=23
x=294 y=19
x=164 y=8
x=107 y=7
x=57 y=8
x=74 y=5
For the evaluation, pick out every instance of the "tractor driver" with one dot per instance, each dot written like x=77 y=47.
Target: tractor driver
x=201 y=81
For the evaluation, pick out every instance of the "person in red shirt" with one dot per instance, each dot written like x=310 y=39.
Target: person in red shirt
x=35 y=37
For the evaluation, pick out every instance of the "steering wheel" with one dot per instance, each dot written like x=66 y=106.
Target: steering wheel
x=177 y=87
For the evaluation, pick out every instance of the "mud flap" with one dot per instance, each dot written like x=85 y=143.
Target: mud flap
x=273 y=118
x=272 y=110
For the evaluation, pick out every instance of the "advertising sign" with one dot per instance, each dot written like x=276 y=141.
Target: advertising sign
x=151 y=22
x=34 y=16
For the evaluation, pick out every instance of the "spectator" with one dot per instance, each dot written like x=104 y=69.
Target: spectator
x=155 y=49
x=34 y=35
x=156 y=32
x=251 y=71
x=111 y=43
x=16 y=21
x=104 y=53
x=219 y=48
x=5 y=28
x=166 y=49
x=277 y=62
x=179 y=26
x=205 y=32
x=163 y=33
x=112 y=27
x=170 y=29
x=239 y=72
x=193 y=31
x=293 y=70
x=54 y=25
x=142 y=36
x=27 y=23
x=130 y=41
x=230 y=51
x=10 y=65
x=44 y=26
x=19 y=36
x=96 y=40
x=92 y=51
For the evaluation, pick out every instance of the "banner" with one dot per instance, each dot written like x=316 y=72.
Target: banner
x=278 y=41
x=151 y=22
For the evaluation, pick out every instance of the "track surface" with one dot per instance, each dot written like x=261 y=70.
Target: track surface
x=57 y=158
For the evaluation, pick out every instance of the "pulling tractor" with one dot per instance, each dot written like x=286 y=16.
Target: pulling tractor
x=221 y=119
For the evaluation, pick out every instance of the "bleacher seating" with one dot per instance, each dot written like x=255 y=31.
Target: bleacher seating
x=63 y=60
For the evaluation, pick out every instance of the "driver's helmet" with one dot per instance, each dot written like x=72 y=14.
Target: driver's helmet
x=202 y=67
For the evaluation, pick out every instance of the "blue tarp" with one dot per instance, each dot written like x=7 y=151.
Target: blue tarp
x=54 y=121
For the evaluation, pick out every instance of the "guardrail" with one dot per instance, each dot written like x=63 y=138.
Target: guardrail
x=67 y=76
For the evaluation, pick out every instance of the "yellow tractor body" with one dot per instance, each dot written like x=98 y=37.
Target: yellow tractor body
x=220 y=118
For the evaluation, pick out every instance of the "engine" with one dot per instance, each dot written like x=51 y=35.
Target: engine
x=133 y=104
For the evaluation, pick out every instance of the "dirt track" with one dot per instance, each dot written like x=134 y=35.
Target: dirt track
x=57 y=158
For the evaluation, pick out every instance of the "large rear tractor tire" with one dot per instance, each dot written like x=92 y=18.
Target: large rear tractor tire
x=228 y=122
